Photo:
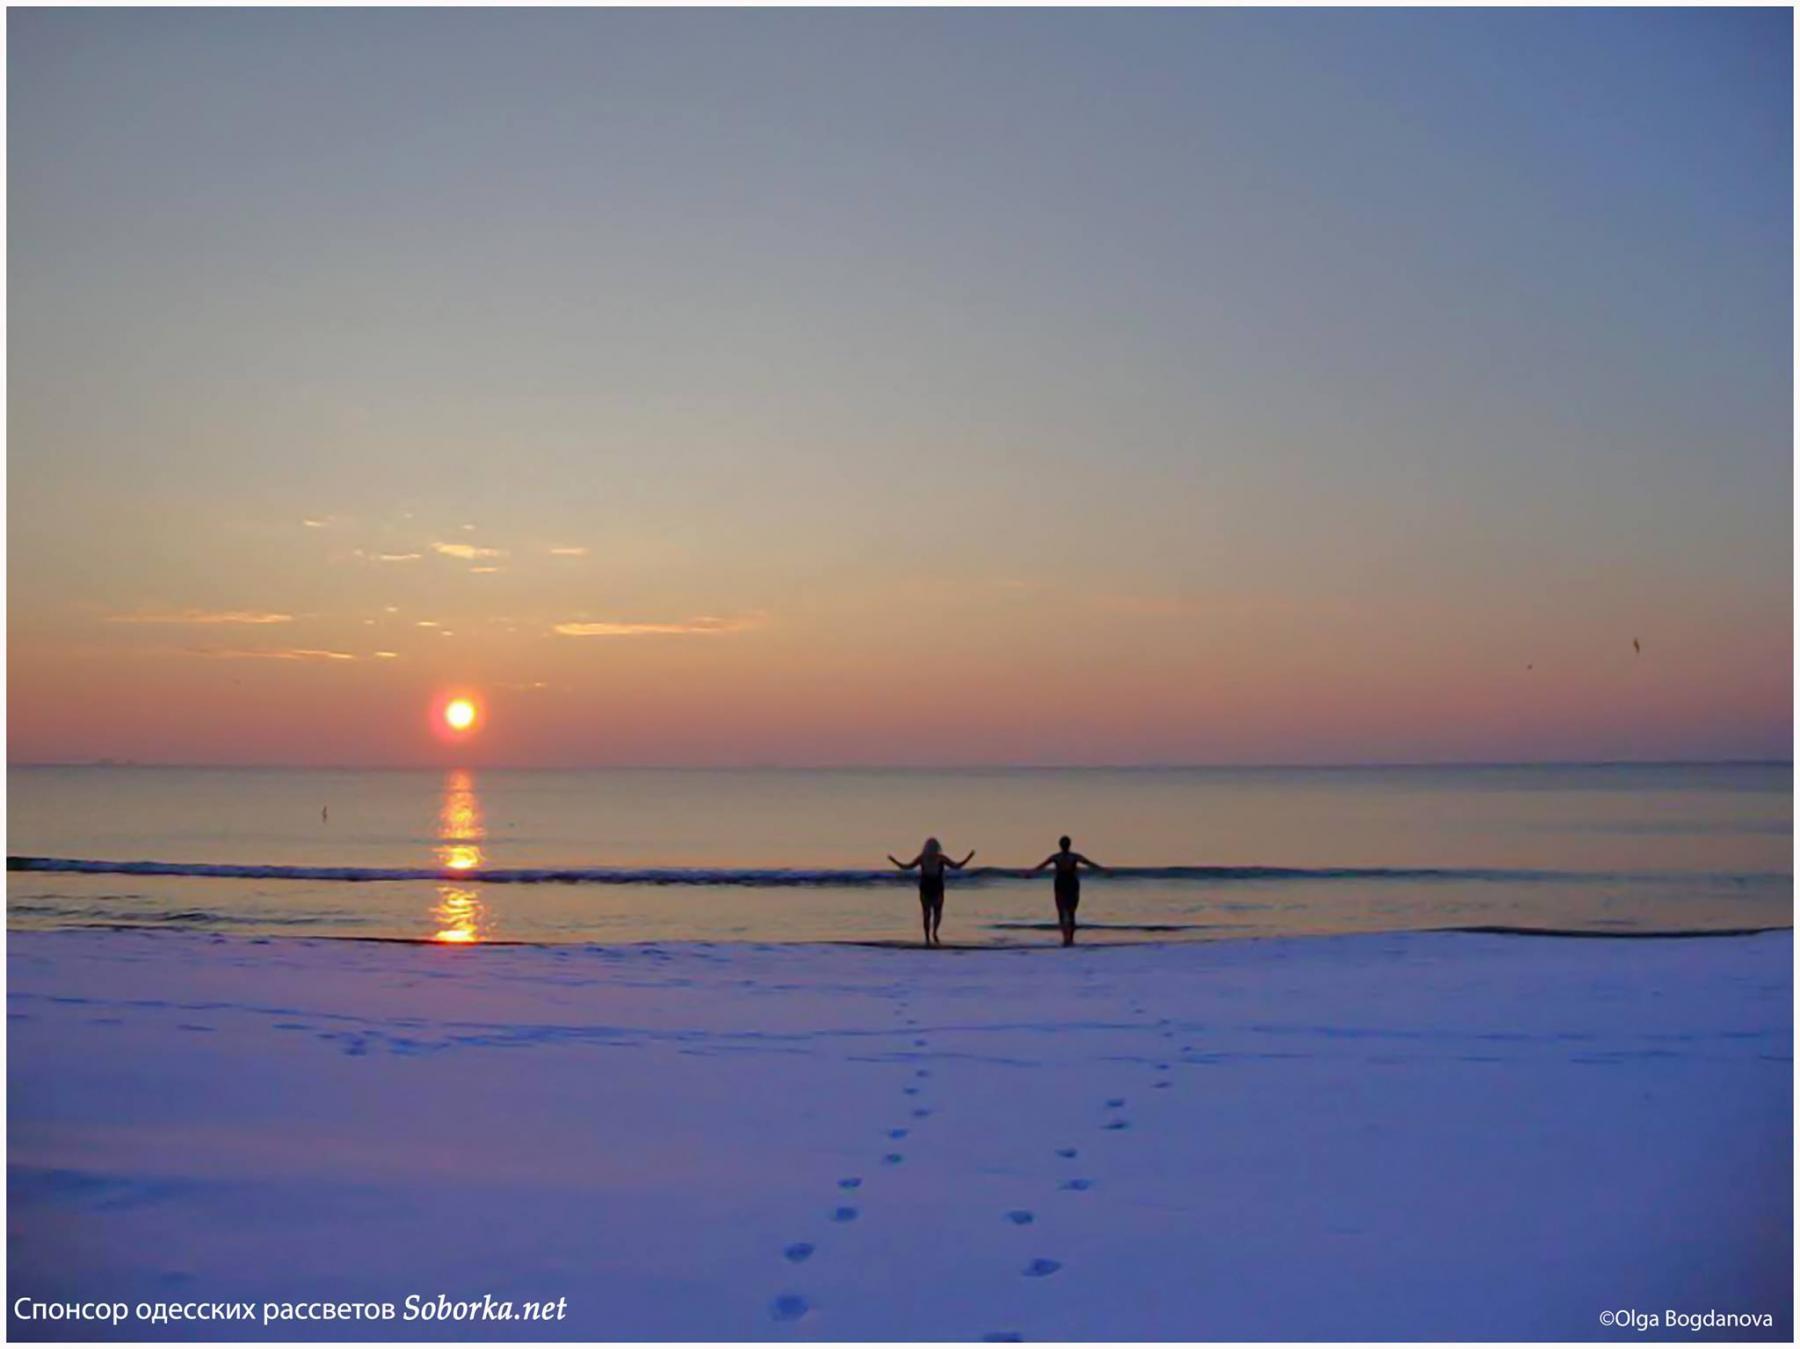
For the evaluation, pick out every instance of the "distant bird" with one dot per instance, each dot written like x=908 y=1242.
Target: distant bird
x=1528 y=667
x=1635 y=647
x=325 y=813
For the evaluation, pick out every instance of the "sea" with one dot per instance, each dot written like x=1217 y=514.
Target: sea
x=473 y=856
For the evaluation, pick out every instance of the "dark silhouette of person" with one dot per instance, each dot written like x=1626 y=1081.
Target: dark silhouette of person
x=931 y=861
x=1068 y=866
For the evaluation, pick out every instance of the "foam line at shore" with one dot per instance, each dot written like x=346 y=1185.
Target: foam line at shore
x=1149 y=936
x=770 y=877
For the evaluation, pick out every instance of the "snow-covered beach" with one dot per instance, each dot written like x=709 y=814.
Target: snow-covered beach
x=1444 y=1136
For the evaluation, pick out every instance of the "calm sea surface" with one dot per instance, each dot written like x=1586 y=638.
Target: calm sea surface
x=797 y=855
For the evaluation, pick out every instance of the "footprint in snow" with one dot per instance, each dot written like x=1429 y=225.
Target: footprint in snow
x=1066 y=1152
x=1078 y=1183
x=1115 y=1103
x=849 y=1182
x=893 y=1159
x=845 y=1214
x=1020 y=1217
x=799 y=1252
x=1041 y=1268
x=789 y=1307
x=897 y=1133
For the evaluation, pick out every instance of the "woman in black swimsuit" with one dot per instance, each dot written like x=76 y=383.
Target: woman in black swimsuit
x=1068 y=884
x=931 y=862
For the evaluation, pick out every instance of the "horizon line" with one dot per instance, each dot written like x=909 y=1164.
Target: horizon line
x=1138 y=766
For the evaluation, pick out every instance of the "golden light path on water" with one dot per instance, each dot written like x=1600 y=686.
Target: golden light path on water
x=459 y=910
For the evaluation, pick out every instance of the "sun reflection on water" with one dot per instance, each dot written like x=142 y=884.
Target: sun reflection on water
x=459 y=912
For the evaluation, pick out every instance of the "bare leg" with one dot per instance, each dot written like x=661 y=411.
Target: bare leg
x=937 y=917
x=925 y=918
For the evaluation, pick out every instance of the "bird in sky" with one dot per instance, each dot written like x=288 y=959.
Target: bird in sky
x=1635 y=647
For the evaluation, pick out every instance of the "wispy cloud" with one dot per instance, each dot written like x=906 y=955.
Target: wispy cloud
x=704 y=626
x=397 y=557
x=468 y=552
x=387 y=655
x=272 y=653
x=482 y=571
x=204 y=617
x=569 y=550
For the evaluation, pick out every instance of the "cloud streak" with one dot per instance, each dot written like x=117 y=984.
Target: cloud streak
x=205 y=617
x=279 y=653
x=468 y=552
x=704 y=626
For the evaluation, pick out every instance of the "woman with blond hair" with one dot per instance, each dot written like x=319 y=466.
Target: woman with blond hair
x=931 y=861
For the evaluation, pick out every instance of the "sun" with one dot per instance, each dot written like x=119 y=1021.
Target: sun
x=459 y=714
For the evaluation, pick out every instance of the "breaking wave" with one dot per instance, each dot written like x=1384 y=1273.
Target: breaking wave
x=762 y=877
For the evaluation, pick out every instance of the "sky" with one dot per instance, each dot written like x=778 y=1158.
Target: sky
x=914 y=387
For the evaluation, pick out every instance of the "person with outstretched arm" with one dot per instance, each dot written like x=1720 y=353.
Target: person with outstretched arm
x=930 y=862
x=1068 y=866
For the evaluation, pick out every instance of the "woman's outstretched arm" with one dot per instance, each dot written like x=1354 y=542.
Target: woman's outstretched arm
x=1091 y=863
x=1046 y=862
x=904 y=866
x=960 y=865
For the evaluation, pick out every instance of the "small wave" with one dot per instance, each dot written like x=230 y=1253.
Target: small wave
x=96 y=915
x=758 y=877
x=1610 y=933
x=1114 y=927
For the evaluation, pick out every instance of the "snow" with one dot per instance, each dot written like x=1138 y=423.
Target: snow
x=1393 y=1136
